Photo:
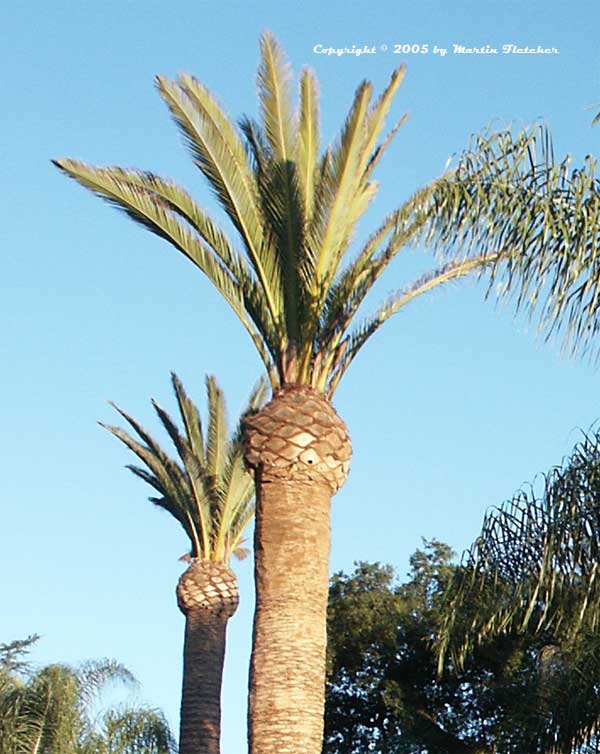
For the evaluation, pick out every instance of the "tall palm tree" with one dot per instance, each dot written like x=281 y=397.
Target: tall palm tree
x=533 y=571
x=210 y=493
x=295 y=211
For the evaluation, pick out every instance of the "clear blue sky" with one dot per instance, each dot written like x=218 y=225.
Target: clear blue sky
x=451 y=407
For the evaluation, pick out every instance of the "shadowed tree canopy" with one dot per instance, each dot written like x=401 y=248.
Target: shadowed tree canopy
x=384 y=694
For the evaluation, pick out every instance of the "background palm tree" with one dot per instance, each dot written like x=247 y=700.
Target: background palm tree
x=49 y=711
x=295 y=211
x=211 y=495
x=533 y=571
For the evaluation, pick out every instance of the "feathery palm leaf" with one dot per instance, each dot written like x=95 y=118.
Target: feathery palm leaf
x=508 y=195
x=138 y=730
x=207 y=490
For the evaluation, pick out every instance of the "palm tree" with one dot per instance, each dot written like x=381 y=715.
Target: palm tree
x=132 y=731
x=295 y=212
x=210 y=493
x=48 y=711
x=533 y=571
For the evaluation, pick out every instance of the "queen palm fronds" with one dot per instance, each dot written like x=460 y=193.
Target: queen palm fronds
x=533 y=571
x=294 y=207
x=534 y=566
x=48 y=711
x=509 y=196
x=134 y=730
x=207 y=489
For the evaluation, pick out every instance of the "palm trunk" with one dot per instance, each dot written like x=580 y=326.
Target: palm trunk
x=299 y=449
x=203 y=657
x=207 y=595
x=287 y=672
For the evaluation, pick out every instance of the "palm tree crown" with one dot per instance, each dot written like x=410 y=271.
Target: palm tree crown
x=207 y=490
x=295 y=211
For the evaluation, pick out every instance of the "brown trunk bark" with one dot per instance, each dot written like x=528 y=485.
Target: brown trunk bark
x=287 y=673
x=299 y=450
x=203 y=656
x=207 y=595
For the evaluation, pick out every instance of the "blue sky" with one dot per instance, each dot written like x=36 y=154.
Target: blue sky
x=451 y=407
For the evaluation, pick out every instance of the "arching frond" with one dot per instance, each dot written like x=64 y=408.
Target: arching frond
x=149 y=208
x=170 y=479
x=129 y=730
x=427 y=282
x=533 y=572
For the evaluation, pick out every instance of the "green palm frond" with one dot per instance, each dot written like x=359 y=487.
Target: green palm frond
x=150 y=202
x=307 y=141
x=340 y=188
x=191 y=419
x=169 y=479
x=377 y=118
x=275 y=99
x=207 y=490
x=221 y=156
x=217 y=429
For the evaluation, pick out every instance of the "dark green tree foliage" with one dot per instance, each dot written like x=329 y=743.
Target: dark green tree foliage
x=384 y=694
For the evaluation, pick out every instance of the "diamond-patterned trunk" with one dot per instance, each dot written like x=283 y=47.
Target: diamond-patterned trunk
x=207 y=594
x=299 y=450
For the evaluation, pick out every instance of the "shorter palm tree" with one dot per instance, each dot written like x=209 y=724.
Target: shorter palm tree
x=210 y=493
